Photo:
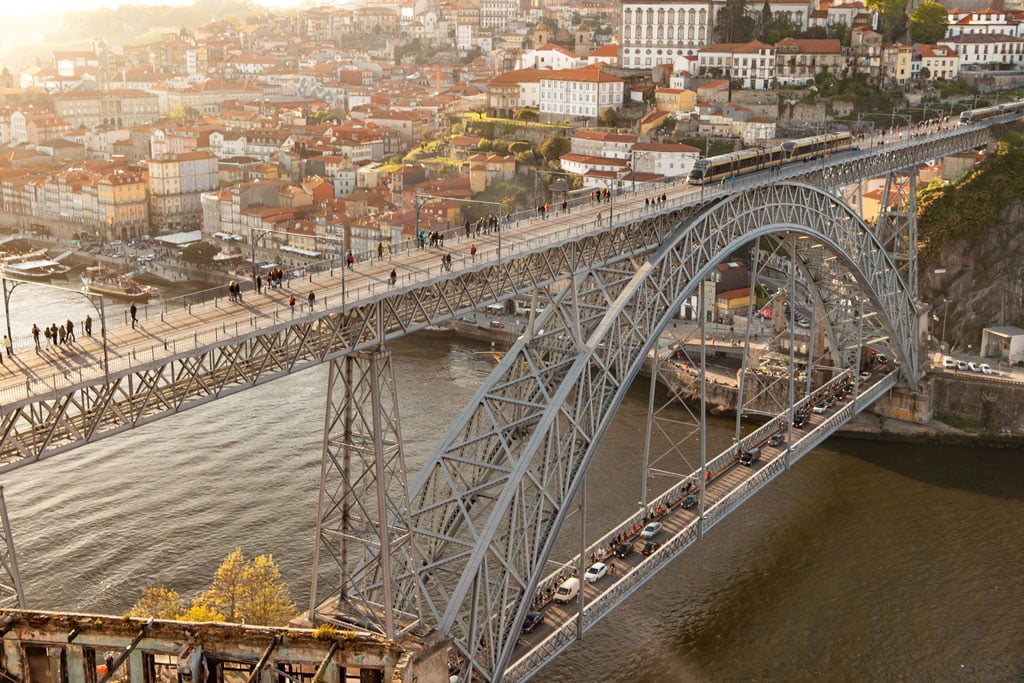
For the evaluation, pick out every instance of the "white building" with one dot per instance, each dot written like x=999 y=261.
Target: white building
x=669 y=160
x=582 y=92
x=550 y=56
x=965 y=22
x=597 y=144
x=656 y=33
x=940 y=60
x=985 y=50
x=752 y=63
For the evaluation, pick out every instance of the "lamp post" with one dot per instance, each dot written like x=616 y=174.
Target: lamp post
x=945 y=306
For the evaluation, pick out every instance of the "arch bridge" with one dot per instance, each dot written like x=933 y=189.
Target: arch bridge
x=461 y=550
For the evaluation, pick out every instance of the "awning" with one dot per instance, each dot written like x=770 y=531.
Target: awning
x=181 y=239
x=300 y=252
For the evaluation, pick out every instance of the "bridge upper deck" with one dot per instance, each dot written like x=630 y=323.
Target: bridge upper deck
x=164 y=333
x=183 y=357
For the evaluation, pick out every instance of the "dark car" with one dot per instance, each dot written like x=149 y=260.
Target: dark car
x=799 y=421
x=533 y=619
x=689 y=502
x=750 y=457
x=650 y=547
x=623 y=549
x=776 y=440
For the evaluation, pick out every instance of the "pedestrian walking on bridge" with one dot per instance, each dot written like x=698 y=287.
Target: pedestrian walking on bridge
x=134 y=311
x=71 y=331
x=8 y=347
x=35 y=336
x=88 y=326
x=311 y=299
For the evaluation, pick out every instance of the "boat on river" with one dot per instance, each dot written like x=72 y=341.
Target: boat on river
x=37 y=270
x=119 y=287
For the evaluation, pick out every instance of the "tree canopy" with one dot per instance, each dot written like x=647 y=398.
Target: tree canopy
x=250 y=592
x=894 y=16
x=554 y=147
x=199 y=253
x=928 y=23
x=734 y=24
x=158 y=602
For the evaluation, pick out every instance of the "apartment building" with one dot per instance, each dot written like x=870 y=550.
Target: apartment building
x=175 y=184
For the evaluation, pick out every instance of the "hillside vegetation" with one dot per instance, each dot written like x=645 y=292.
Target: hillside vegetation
x=972 y=230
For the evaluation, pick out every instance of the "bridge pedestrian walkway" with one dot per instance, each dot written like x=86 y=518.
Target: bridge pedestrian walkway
x=727 y=487
x=175 y=329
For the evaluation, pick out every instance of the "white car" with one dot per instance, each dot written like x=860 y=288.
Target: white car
x=948 y=363
x=651 y=530
x=596 y=571
x=820 y=409
x=973 y=367
x=986 y=369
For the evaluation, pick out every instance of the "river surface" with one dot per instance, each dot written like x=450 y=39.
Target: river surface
x=868 y=561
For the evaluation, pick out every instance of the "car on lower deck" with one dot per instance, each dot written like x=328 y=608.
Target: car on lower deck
x=532 y=621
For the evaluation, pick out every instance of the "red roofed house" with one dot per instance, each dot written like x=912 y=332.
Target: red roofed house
x=579 y=93
x=752 y=63
x=485 y=169
x=798 y=61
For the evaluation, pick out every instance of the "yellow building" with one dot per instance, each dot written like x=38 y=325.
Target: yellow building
x=680 y=102
x=122 y=204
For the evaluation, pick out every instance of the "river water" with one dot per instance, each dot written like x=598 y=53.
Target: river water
x=868 y=561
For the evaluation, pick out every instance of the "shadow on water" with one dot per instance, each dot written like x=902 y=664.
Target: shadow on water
x=999 y=473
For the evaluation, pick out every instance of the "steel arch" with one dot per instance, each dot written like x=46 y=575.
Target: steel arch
x=488 y=505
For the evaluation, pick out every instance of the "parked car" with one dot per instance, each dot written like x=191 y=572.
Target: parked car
x=595 y=572
x=948 y=363
x=776 y=440
x=497 y=325
x=651 y=530
x=532 y=621
x=973 y=367
x=961 y=365
x=690 y=502
x=986 y=369
x=820 y=408
x=799 y=420
x=650 y=547
x=623 y=549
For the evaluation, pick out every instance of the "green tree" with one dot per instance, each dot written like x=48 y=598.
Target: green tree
x=766 y=21
x=526 y=115
x=251 y=592
x=554 y=147
x=734 y=25
x=225 y=593
x=520 y=146
x=201 y=613
x=926 y=73
x=266 y=598
x=158 y=602
x=199 y=253
x=894 y=14
x=928 y=23
x=608 y=118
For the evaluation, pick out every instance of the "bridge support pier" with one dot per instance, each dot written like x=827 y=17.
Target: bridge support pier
x=363 y=496
x=11 y=593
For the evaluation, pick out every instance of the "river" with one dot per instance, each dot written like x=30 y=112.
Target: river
x=867 y=561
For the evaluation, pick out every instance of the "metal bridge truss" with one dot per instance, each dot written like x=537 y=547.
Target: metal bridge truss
x=362 y=493
x=41 y=426
x=486 y=509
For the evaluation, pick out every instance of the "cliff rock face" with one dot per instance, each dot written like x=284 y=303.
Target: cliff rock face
x=972 y=231
x=983 y=283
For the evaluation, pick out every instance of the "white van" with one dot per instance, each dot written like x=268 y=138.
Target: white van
x=569 y=589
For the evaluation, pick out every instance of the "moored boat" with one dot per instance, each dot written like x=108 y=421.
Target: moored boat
x=119 y=288
x=38 y=270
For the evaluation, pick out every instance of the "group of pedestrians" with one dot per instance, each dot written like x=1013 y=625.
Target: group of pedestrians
x=55 y=335
x=598 y=196
x=656 y=202
x=485 y=224
x=446 y=263
x=234 y=292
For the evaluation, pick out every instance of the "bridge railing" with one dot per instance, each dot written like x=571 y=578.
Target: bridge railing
x=629 y=529
x=565 y=634
x=368 y=286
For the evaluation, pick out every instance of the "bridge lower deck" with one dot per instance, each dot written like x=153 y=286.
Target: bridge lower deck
x=730 y=484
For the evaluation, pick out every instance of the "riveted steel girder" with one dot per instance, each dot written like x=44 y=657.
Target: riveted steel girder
x=487 y=507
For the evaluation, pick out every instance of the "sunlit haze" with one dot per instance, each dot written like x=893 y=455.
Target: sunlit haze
x=21 y=9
